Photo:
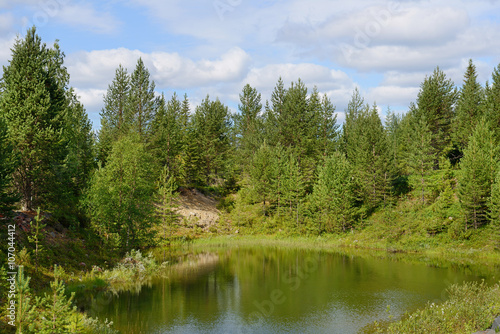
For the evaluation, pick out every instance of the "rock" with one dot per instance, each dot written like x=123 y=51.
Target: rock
x=496 y=324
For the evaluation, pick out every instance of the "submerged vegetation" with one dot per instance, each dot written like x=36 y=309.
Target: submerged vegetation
x=424 y=181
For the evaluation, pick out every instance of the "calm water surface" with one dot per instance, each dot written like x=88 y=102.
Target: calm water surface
x=276 y=290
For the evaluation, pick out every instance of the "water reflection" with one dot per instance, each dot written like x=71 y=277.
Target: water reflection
x=273 y=290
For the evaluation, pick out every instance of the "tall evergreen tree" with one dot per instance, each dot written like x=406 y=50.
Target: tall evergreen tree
x=210 y=135
x=248 y=124
x=420 y=153
x=333 y=196
x=365 y=143
x=168 y=135
x=79 y=140
x=477 y=173
x=33 y=105
x=492 y=103
x=436 y=101
x=141 y=100
x=469 y=107
x=262 y=172
x=328 y=130
x=115 y=115
x=7 y=167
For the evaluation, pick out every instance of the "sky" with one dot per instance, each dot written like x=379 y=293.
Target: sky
x=215 y=47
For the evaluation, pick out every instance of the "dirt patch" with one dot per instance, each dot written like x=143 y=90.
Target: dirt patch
x=197 y=208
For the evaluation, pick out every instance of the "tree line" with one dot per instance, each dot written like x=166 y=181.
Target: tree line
x=287 y=155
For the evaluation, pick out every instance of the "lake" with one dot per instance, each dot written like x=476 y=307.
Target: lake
x=279 y=290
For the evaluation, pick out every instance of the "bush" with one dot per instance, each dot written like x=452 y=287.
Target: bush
x=470 y=307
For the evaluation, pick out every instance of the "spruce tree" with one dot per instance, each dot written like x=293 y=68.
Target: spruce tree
x=477 y=173
x=469 y=107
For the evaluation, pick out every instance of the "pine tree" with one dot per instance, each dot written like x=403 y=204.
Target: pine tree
x=80 y=143
x=333 y=196
x=165 y=208
x=115 y=115
x=141 y=100
x=492 y=103
x=355 y=107
x=55 y=307
x=7 y=167
x=33 y=105
x=435 y=101
x=262 y=172
x=328 y=130
x=469 y=107
x=167 y=139
x=121 y=196
x=293 y=184
x=248 y=124
x=420 y=153
x=477 y=173
x=211 y=129
x=273 y=113
x=365 y=143
x=25 y=310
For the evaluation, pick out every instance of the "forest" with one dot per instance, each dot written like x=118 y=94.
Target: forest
x=284 y=164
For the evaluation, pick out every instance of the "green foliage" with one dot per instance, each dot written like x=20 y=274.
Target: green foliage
x=55 y=310
x=420 y=155
x=25 y=303
x=333 y=195
x=470 y=307
x=435 y=103
x=36 y=228
x=141 y=100
x=469 y=107
x=477 y=173
x=33 y=109
x=132 y=269
x=120 y=198
x=365 y=144
x=248 y=125
x=115 y=118
x=165 y=208
x=209 y=143
x=7 y=167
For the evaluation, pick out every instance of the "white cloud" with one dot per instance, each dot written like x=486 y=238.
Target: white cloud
x=85 y=16
x=97 y=68
x=392 y=95
x=5 y=50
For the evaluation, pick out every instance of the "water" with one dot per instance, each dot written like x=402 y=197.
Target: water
x=273 y=290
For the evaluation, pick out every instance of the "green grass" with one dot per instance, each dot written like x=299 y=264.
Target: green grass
x=469 y=308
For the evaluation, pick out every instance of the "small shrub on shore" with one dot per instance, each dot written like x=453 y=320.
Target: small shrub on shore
x=470 y=307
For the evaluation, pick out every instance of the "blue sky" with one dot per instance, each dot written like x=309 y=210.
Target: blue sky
x=215 y=47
